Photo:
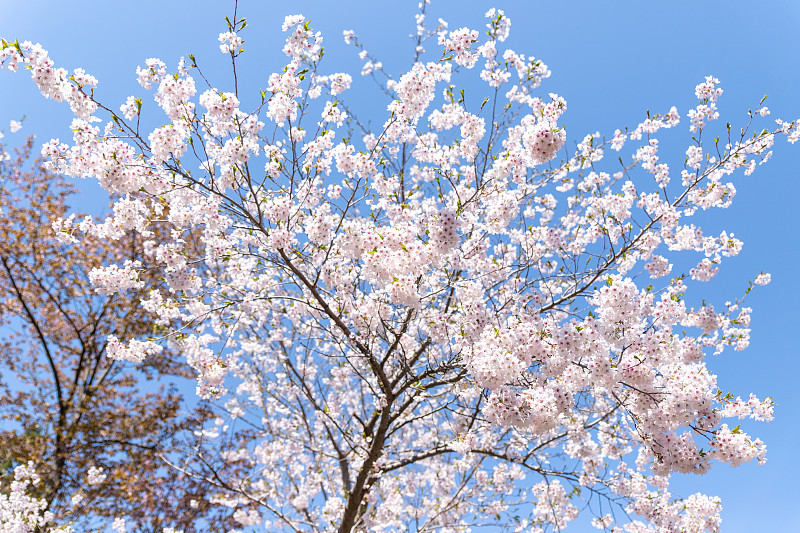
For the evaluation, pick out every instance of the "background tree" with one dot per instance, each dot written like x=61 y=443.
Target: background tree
x=435 y=323
x=94 y=427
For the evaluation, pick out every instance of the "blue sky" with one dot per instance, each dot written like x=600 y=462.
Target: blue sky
x=611 y=60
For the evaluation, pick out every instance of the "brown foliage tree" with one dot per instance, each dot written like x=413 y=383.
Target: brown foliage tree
x=66 y=405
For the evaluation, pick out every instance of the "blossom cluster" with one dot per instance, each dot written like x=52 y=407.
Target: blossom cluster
x=22 y=513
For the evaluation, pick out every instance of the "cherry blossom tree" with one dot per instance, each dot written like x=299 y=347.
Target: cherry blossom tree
x=449 y=320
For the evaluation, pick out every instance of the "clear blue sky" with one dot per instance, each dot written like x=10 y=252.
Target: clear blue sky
x=611 y=60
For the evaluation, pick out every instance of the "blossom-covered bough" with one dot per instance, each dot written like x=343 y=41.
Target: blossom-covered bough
x=446 y=321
